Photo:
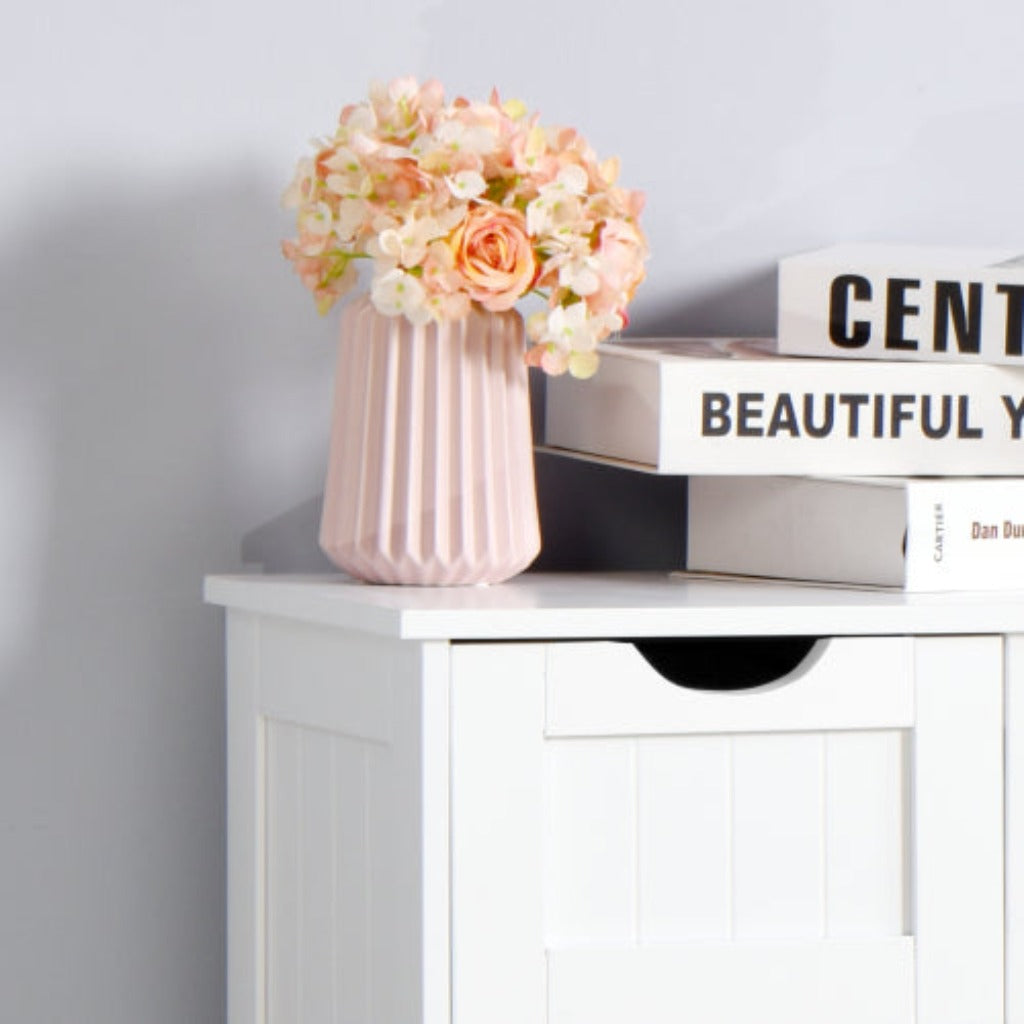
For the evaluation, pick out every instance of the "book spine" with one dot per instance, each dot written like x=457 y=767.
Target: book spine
x=889 y=311
x=965 y=535
x=921 y=536
x=820 y=417
x=795 y=528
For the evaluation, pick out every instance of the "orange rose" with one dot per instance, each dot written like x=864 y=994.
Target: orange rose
x=494 y=256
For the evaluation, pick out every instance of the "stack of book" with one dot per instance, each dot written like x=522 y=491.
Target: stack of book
x=877 y=440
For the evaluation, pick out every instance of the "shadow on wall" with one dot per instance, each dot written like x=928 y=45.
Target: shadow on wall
x=165 y=389
x=745 y=307
x=596 y=517
x=164 y=409
x=592 y=518
x=288 y=542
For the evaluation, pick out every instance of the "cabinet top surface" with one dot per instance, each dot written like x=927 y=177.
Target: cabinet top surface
x=614 y=605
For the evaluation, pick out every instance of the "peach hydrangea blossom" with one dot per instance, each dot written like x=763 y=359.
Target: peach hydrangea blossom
x=462 y=203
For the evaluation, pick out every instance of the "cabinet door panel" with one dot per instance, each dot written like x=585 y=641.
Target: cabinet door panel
x=684 y=839
x=778 y=832
x=867 y=833
x=726 y=857
x=590 y=804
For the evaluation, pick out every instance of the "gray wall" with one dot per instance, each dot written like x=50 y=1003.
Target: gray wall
x=164 y=380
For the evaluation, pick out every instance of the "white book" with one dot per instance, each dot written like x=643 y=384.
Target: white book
x=866 y=301
x=735 y=406
x=915 y=534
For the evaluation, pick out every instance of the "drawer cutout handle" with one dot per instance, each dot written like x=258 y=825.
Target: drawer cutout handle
x=726 y=663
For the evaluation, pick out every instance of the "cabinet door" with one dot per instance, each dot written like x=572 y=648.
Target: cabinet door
x=827 y=847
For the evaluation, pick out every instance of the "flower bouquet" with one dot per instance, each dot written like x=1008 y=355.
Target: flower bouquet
x=463 y=203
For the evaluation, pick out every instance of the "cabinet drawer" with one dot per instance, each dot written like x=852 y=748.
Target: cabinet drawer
x=682 y=815
x=804 y=850
x=610 y=689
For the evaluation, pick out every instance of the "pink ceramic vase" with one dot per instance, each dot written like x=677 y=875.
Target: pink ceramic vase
x=430 y=474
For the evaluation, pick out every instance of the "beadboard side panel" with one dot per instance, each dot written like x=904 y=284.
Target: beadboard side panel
x=246 y=909
x=318 y=876
x=354 y=863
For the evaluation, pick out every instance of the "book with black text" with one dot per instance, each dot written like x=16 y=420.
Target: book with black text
x=725 y=406
x=872 y=301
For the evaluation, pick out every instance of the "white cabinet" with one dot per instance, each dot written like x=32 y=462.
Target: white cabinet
x=485 y=806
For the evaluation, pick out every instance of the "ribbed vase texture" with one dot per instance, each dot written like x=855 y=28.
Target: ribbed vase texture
x=430 y=473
